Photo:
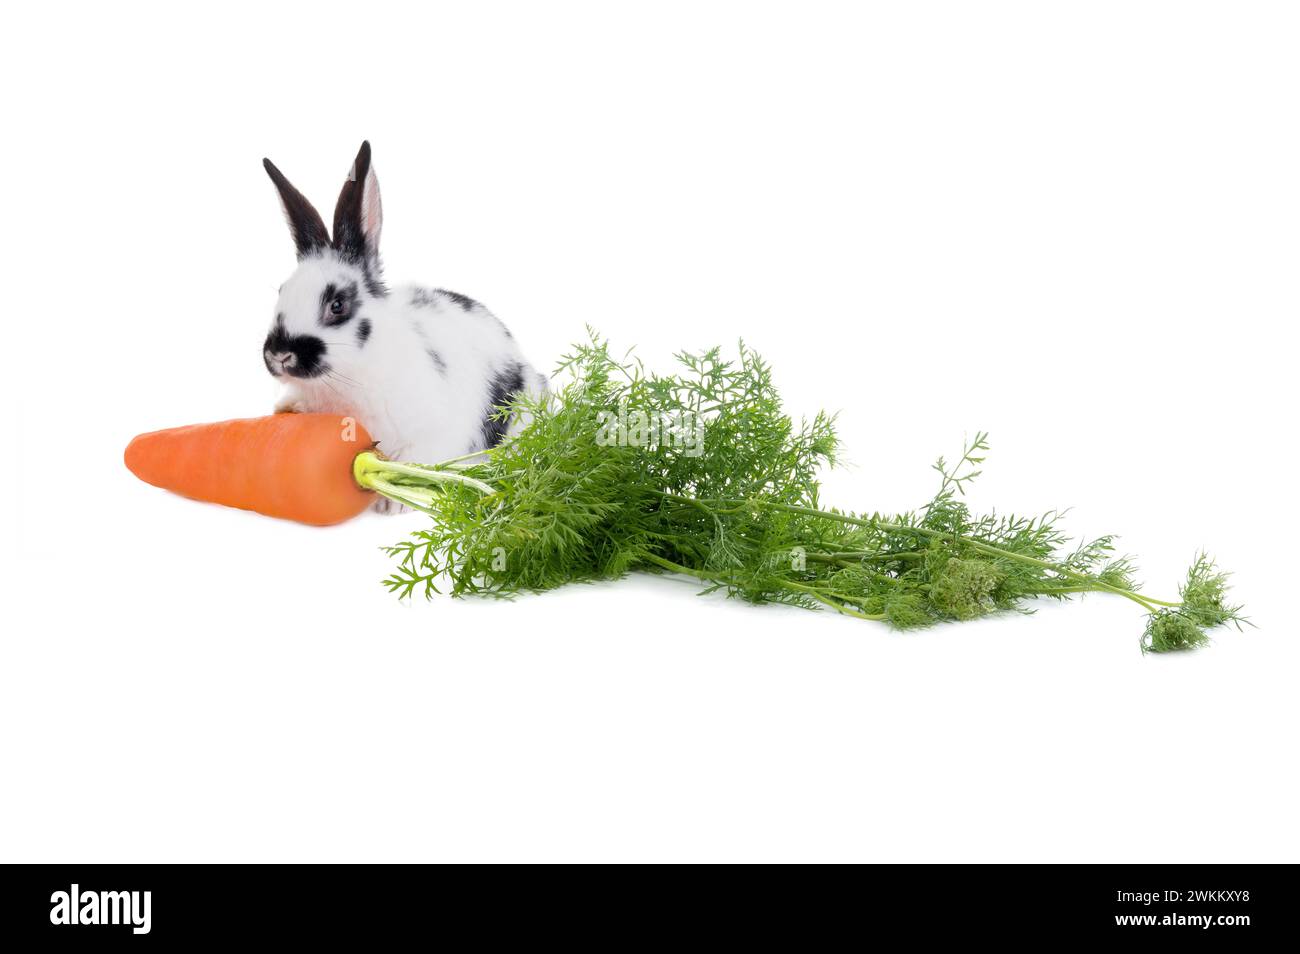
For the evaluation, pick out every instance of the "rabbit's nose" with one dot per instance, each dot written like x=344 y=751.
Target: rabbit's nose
x=285 y=359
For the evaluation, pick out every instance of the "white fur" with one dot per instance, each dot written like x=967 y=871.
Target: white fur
x=391 y=384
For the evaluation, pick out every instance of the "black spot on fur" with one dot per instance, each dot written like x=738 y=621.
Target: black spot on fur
x=308 y=351
x=465 y=302
x=363 y=330
x=374 y=284
x=437 y=359
x=435 y=297
x=507 y=382
x=428 y=298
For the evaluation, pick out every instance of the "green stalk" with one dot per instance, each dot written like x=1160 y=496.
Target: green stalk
x=1148 y=603
x=416 y=486
x=822 y=596
x=859 y=555
x=458 y=462
x=407 y=484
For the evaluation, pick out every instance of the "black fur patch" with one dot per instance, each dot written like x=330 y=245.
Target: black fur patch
x=424 y=298
x=363 y=331
x=428 y=298
x=346 y=296
x=437 y=359
x=465 y=302
x=374 y=284
x=307 y=349
x=507 y=382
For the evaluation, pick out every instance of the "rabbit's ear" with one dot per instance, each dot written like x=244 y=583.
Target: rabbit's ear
x=305 y=223
x=359 y=215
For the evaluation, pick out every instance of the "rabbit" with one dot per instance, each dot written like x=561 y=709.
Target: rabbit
x=421 y=368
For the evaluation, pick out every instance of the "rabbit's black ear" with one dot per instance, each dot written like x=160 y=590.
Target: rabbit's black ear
x=305 y=223
x=359 y=215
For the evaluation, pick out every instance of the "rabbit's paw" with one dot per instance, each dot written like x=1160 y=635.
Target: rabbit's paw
x=290 y=405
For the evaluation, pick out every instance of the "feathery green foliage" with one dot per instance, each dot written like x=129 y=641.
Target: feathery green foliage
x=708 y=477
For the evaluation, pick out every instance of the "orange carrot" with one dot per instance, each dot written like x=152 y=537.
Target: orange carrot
x=313 y=468
x=296 y=466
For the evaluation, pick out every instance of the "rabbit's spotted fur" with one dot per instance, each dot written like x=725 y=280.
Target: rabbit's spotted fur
x=420 y=368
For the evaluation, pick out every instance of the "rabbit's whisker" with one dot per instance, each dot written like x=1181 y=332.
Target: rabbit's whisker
x=332 y=388
x=345 y=379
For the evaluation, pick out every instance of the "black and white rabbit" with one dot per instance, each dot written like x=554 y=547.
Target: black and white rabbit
x=420 y=368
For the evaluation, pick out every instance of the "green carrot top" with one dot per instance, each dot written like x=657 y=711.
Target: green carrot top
x=702 y=473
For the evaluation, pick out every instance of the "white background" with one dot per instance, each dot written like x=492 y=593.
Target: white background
x=1076 y=226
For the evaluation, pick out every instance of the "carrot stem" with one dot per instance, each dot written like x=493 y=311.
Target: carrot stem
x=408 y=484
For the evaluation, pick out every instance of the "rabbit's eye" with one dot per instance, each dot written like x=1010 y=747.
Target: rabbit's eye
x=337 y=304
